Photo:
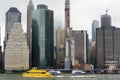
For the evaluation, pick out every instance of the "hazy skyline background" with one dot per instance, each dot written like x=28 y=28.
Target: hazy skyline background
x=82 y=12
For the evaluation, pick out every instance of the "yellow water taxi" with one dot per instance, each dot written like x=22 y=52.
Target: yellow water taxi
x=36 y=73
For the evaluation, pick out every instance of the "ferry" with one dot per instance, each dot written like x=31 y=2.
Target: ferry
x=36 y=73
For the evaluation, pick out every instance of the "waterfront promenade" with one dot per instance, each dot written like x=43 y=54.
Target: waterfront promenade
x=63 y=77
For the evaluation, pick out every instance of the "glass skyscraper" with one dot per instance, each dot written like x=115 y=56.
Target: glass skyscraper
x=42 y=37
x=95 y=24
x=13 y=15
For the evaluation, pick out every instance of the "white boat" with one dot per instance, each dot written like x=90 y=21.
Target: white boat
x=55 y=72
x=78 y=72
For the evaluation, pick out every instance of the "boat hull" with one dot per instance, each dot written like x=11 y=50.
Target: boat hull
x=35 y=75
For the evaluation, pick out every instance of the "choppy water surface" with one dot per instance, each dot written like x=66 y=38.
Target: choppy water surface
x=63 y=77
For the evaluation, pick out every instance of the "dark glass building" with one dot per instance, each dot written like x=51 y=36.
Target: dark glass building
x=42 y=37
x=13 y=15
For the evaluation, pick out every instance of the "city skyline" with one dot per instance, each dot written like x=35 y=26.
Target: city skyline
x=80 y=19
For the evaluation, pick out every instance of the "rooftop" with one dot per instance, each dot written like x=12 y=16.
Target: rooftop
x=13 y=9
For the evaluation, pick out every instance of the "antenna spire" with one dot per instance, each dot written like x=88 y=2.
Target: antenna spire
x=106 y=11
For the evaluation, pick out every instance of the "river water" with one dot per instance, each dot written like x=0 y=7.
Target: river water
x=68 y=77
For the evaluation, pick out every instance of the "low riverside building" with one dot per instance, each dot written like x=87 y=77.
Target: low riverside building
x=16 y=51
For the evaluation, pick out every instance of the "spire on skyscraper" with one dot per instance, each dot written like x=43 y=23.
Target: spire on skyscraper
x=106 y=11
x=30 y=2
x=30 y=5
x=106 y=20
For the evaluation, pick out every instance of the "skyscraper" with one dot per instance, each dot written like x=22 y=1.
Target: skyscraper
x=30 y=8
x=95 y=24
x=60 y=39
x=106 y=20
x=13 y=15
x=42 y=37
x=107 y=44
x=16 y=51
x=81 y=46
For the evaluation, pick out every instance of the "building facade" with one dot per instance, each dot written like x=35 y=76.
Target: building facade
x=107 y=45
x=16 y=51
x=105 y=20
x=60 y=47
x=95 y=24
x=30 y=8
x=0 y=51
x=13 y=15
x=81 y=47
x=42 y=37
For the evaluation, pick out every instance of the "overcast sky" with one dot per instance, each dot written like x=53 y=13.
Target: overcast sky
x=83 y=12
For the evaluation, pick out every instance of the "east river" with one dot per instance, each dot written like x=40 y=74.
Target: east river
x=63 y=77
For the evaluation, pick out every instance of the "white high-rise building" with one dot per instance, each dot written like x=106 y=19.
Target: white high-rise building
x=16 y=51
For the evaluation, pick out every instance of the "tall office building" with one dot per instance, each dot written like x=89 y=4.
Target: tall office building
x=13 y=15
x=60 y=39
x=30 y=8
x=106 y=20
x=95 y=24
x=42 y=37
x=16 y=51
x=107 y=44
x=81 y=46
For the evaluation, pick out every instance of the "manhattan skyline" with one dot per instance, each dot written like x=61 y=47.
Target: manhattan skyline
x=83 y=12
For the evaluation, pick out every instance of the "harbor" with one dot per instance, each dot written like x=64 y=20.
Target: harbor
x=63 y=77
